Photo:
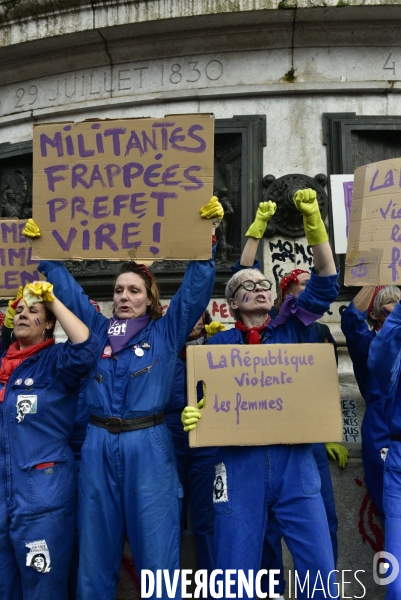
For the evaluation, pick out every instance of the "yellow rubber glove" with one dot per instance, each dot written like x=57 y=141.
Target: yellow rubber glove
x=189 y=417
x=12 y=304
x=212 y=210
x=337 y=452
x=31 y=229
x=263 y=215
x=201 y=403
x=39 y=291
x=306 y=203
x=213 y=328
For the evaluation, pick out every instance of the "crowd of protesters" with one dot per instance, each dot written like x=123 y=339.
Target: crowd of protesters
x=94 y=431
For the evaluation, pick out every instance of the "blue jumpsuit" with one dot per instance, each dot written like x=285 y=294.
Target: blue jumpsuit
x=195 y=470
x=128 y=481
x=281 y=479
x=375 y=431
x=384 y=363
x=40 y=504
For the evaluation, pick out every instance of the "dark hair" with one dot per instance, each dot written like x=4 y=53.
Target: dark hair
x=152 y=290
x=50 y=318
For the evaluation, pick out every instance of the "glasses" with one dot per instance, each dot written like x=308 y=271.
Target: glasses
x=249 y=285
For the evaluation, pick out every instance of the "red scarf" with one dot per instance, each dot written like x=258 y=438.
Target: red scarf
x=15 y=357
x=253 y=333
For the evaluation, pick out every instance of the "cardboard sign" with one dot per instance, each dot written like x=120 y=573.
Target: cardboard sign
x=374 y=240
x=16 y=264
x=341 y=199
x=265 y=394
x=123 y=189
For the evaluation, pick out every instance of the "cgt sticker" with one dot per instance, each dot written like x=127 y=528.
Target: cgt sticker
x=220 y=491
x=26 y=403
x=38 y=556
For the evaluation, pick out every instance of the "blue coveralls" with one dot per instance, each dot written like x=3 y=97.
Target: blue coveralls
x=128 y=481
x=195 y=470
x=282 y=479
x=374 y=430
x=40 y=504
x=272 y=556
x=384 y=363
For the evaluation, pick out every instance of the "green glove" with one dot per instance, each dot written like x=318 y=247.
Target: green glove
x=337 y=452
x=212 y=210
x=12 y=304
x=189 y=417
x=263 y=215
x=306 y=203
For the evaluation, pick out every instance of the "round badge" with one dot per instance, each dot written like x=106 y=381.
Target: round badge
x=139 y=352
x=18 y=381
x=28 y=381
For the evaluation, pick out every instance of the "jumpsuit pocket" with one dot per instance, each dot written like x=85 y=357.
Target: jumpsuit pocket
x=308 y=471
x=222 y=489
x=51 y=484
x=30 y=399
x=163 y=439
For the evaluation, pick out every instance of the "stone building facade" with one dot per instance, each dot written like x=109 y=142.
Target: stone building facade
x=301 y=90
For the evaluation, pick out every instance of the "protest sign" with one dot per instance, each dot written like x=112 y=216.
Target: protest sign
x=265 y=394
x=16 y=264
x=123 y=189
x=374 y=240
x=341 y=199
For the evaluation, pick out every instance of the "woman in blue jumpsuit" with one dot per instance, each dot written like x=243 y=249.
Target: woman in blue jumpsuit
x=358 y=335
x=279 y=479
x=38 y=398
x=384 y=363
x=128 y=478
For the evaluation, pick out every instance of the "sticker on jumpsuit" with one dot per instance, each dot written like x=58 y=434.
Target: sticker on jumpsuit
x=38 y=556
x=26 y=403
x=220 y=491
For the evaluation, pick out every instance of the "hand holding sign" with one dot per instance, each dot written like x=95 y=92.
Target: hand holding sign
x=39 y=291
x=31 y=230
x=189 y=417
x=306 y=203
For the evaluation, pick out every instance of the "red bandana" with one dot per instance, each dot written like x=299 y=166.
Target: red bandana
x=2 y=317
x=15 y=357
x=293 y=276
x=377 y=290
x=253 y=333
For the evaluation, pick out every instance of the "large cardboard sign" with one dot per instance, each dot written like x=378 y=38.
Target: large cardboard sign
x=374 y=240
x=265 y=394
x=123 y=189
x=16 y=264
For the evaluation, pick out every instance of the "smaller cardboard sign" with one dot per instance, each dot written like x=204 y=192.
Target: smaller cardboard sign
x=265 y=394
x=16 y=264
x=374 y=240
x=341 y=199
x=123 y=189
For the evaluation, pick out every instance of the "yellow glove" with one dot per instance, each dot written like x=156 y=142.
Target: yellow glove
x=31 y=229
x=263 y=215
x=306 y=203
x=212 y=210
x=201 y=403
x=213 y=328
x=337 y=452
x=12 y=305
x=39 y=291
x=189 y=417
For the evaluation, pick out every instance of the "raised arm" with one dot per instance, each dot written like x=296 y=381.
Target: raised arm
x=385 y=353
x=315 y=231
x=255 y=233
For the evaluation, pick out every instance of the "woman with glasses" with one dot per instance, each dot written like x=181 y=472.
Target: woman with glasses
x=279 y=479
